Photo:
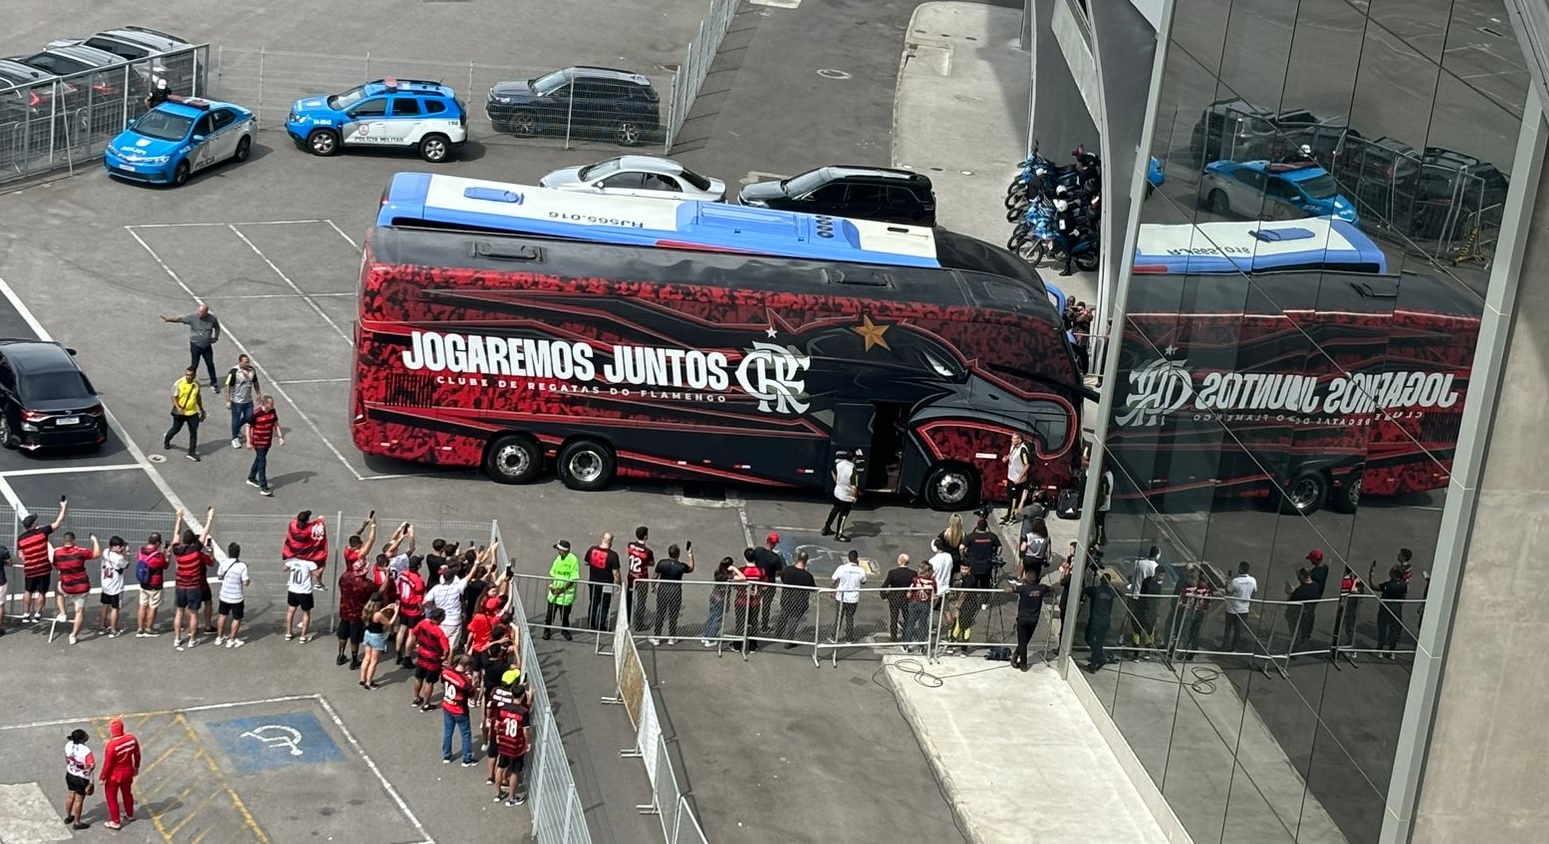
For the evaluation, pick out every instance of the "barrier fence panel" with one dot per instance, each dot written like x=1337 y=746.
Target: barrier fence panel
x=697 y=59
x=499 y=103
x=861 y=618
x=66 y=122
x=558 y=816
x=966 y=621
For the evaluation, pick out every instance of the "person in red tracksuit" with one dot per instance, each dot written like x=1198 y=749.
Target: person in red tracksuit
x=120 y=765
x=306 y=538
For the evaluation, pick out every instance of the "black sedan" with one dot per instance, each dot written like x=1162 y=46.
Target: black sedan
x=45 y=398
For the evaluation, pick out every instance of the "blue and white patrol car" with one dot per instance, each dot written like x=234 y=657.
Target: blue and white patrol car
x=178 y=138
x=407 y=113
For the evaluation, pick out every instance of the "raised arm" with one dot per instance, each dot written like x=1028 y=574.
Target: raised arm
x=96 y=547
x=177 y=522
x=204 y=530
x=64 y=505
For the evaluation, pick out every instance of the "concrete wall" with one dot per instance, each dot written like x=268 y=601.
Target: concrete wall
x=1060 y=118
x=1482 y=780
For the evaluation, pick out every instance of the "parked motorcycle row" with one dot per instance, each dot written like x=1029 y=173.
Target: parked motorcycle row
x=1056 y=209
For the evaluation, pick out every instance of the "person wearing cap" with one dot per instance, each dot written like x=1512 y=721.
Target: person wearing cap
x=503 y=692
x=158 y=89
x=355 y=588
x=771 y=562
x=120 y=765
x=1318 y=570
x=564 y=577
x=846 y=491
x=79 y=766
x=1298 y=613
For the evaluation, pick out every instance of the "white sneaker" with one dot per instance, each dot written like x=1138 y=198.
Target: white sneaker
x=73 y=640
x=655 y=641
x=235 y=643
x=177 y=644
x=672 y=641
x=236 y=443
x=220 y=640
x=707 y=643
x=193 y=640
x=252 y=483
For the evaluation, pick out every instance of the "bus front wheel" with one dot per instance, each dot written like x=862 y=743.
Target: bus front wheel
x=1306 y=493
x=513 y=459
x=951 y=486
x=586 y=465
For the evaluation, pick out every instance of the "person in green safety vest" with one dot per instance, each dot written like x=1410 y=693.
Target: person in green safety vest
x=564 y=577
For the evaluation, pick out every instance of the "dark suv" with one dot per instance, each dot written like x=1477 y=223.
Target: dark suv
x=1426 y=195
x=869 y=193
x=594 y=101
x=45 y=398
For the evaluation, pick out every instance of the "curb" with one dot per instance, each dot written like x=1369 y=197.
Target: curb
x=949 y=789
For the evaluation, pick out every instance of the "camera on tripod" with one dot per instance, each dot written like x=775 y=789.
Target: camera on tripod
x=984 y=511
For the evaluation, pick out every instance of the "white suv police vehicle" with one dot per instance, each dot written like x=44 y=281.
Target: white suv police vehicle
x=407 y=113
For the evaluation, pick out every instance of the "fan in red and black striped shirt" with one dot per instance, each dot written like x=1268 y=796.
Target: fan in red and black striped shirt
x=70 y=561
x=263 y=431
x=513 y=736
x=32 y=547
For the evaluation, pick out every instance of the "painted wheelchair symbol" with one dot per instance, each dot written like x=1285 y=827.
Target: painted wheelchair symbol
x=277 y=735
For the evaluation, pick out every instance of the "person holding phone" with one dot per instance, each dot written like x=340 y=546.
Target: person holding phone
x=669 y=593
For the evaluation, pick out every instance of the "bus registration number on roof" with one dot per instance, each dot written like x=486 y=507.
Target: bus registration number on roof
x=595 y=221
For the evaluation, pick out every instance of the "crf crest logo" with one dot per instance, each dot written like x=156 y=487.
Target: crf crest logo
x=1155 y=390
x=772 y=374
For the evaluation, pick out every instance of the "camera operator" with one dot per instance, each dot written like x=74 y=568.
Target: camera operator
x=981 y=548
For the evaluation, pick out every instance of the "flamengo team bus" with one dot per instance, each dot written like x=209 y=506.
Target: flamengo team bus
x=1222 y=392
x=677 y=358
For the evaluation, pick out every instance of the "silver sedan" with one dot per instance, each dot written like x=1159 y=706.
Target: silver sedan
x=638 y=175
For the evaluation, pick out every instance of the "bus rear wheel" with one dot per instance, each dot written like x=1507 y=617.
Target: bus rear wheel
x=586 y=465
x=951 y=486
x=513 y=459
x=1306 y=493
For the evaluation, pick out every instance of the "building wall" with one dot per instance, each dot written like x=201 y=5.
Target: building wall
x=1482 y=770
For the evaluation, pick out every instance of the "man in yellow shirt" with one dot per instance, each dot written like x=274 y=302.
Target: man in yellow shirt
x=187 y=409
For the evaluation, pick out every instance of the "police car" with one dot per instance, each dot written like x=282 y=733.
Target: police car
x=407 y=113
x=1274 y=191
x=180 y=137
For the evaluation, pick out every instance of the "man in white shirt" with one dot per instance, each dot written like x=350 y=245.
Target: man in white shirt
x=1239 y=594
x=114 y=561
x=940 y=567
x=1145 y=567
x=847 y=593
x=846 y=491
x=298 y=595
x=234 y=582
x=1018 y=465
x=448 y=595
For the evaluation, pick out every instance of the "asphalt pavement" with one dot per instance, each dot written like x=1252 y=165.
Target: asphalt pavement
x=272 y=246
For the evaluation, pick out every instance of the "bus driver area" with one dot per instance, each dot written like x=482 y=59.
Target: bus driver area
x=255 y=772
x=284 y=291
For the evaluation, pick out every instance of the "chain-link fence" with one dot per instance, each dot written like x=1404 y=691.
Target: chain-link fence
x=579 y=105
x=66 y=122
x=557 y=814
x=697 y=60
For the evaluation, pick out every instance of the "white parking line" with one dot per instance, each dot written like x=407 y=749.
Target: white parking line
x=315 y=381
x=68 y=470
x=347 y=238
x=316 y=430
x=274 y=295
x=134 y=450
x=249 y=223
x=292 y=285
x=12 y=499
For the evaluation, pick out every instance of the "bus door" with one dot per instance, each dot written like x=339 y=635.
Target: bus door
x=877 y=428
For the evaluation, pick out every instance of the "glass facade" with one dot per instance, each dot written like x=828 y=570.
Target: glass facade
x=1277 y=421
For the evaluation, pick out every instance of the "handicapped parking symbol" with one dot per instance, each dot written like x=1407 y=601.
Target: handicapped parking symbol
x=277 y=735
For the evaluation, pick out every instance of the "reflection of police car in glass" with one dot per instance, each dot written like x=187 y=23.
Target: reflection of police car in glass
x=178 y=138
x=1262 y=190
x=406 y=113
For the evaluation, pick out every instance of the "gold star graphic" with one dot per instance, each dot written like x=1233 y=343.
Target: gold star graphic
x=872 y=333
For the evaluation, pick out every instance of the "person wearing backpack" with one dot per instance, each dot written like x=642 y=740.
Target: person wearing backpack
x=241 y=389
x=150 y=570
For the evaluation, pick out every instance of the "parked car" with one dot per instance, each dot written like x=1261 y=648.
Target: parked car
x=594 y=101
x=1240 y=130
x=178 y=138
x=137 y=43
x=637 y=175
x=1262 y=190
x=66 y=59
x=45 y=398
x=1418 y=192
x=870 y=193
x=404 y=113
